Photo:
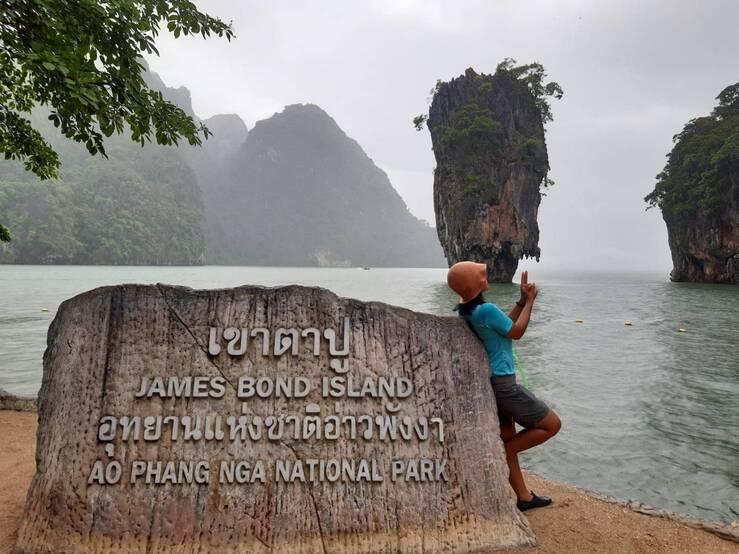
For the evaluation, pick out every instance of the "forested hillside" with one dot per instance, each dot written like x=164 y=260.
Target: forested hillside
x=140 y=206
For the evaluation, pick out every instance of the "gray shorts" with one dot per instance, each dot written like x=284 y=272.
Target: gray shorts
x=516 y=403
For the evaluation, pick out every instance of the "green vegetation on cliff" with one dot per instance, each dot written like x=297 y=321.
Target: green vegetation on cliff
x=473 y=138
x=698 y=193
x=702 y=172
x=139 y=206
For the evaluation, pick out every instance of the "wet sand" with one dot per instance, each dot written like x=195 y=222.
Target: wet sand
x=575 y=523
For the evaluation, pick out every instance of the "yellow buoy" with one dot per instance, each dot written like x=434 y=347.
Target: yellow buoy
x=681 y=330
x=578 y=321
x=628 y=323
x=44 y=309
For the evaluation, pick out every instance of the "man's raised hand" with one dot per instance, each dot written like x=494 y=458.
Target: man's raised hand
x=524 y=284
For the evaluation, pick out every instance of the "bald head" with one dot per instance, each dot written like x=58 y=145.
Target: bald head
x=467 y=279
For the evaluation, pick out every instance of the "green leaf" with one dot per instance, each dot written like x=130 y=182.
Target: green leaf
x=4 y=234
x=97 y=50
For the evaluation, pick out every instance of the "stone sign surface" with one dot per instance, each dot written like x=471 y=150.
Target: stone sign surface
x=259 y=420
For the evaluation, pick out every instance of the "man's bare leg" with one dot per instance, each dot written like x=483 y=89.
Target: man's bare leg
x=514 y=443
x=515 y=477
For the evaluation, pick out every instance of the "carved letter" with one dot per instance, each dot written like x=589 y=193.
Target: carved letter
x=368 y=432
x=441 y=427
x=152 y=428
x=275 y=426
x=312 y=423
x=316 y=339
x=232 y=334
x=331 y=427
x=236 y=427
x=213 y=347
x=330 y=334
x=265 y=339
x=107 y=429
x=213 y=427
x=284 y=340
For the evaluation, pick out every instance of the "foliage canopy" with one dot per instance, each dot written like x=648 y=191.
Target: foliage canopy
x=141 y=206
x=532 y=74
x=83 y=61
x=702 y=170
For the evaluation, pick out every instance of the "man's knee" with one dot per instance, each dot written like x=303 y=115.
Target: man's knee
x=551 y=423
x=556 y=424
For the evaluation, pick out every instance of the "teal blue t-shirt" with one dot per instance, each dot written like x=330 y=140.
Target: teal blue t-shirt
x=492 y=325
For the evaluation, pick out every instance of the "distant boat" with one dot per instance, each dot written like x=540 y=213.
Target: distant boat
x=365 y=268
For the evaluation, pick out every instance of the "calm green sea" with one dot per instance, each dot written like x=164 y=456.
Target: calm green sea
x=649 y=413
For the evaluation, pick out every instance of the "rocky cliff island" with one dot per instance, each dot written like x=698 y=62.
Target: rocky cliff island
x=698 y=193
x=487 y=133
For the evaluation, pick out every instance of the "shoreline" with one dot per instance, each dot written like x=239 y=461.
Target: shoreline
x=578 y=521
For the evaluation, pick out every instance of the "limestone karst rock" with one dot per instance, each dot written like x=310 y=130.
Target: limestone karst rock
x=698 y=193
x=103 y=343
x=706 y=250
x=491 y=158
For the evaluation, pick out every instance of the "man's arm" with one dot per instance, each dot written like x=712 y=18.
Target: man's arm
x=522 y=321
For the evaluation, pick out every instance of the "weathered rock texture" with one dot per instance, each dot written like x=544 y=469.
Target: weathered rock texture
x=488 y=139
x=103 y=342
x=705 y=250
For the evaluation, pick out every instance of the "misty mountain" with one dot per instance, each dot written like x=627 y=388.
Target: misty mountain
x=299 y=191
x=293 y=191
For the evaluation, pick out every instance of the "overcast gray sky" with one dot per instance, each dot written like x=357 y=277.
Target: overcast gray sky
x=633 y=73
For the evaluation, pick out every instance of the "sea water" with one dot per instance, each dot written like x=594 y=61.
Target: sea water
x=649 y=413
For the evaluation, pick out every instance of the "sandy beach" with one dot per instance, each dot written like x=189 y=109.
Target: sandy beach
x=575 y=523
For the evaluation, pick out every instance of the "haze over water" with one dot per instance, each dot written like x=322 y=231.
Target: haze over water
x=649 y=413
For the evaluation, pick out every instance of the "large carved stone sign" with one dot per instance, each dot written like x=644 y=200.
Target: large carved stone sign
x=258 y=420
